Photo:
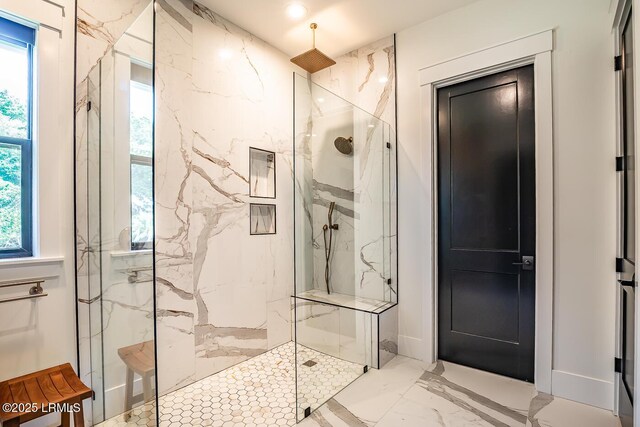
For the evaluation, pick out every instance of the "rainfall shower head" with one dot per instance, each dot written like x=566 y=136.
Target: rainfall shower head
x=313 y=60
x=344 y=145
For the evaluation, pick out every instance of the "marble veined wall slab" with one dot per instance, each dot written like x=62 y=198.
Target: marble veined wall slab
x=176 y=302
x=242 y=97
x=366 y=78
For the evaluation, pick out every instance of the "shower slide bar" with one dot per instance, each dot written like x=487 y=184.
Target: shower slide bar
x=35 y=291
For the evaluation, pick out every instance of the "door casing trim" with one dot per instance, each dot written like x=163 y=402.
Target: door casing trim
x=534 y=49
x=622 y=10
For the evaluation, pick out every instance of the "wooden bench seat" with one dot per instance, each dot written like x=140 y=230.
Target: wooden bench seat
x=54 y=386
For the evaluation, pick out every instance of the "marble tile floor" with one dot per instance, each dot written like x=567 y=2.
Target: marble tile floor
x=404 y=393
x=258 y=392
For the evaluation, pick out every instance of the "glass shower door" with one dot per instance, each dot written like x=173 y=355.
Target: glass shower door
x=119 y=216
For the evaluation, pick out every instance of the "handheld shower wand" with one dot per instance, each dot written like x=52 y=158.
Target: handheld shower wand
x=330 y=226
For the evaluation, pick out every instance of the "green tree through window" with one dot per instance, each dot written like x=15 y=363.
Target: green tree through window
x=141 y=147
x=16 y=53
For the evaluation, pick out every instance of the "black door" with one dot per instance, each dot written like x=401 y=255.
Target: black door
x=486 y=223
x=626 y=265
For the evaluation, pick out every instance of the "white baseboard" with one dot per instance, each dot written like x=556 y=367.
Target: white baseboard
x=591 y=391
x=411 y=347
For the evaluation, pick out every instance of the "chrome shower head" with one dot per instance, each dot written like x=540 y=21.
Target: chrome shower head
x=344 y=145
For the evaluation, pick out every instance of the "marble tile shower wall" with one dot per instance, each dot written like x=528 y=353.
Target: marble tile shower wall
x=224 y=295
x=366 y=78
x=250 y=90
x=176 y=303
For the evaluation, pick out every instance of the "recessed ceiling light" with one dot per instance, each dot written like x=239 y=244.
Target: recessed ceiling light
x=296 y=11
x=225 y=54
x=321 y=100
x=383 y=79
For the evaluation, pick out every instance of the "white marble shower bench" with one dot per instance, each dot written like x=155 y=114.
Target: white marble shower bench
x=346 y=301
x=353 y=328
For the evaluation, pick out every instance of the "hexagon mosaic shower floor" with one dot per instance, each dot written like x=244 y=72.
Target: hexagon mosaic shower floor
x=258 y=392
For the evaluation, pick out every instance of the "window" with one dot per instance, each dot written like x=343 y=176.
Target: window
x=140 y=151
x=16 y=125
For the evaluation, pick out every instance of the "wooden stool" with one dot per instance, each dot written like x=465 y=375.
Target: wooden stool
x=139 y=359
x=54 y=386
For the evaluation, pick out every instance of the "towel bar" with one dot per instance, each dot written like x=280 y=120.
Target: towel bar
x=35 y=291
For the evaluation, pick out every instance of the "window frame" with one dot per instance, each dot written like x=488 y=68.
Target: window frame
x=25 y=144
x=140 y=160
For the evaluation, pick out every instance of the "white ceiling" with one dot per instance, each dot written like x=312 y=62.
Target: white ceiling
x=343 y=25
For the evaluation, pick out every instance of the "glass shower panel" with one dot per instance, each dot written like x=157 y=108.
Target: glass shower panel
x=120 y=199
x=369 y=178
x=333 y=349
x=341 y=200
x=343 y=236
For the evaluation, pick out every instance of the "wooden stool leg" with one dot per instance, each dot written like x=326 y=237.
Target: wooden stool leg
x=128 y=394
x=78 y=417
x=65 y=420
x=147 y=392
x=11 y=423
x=146 y=388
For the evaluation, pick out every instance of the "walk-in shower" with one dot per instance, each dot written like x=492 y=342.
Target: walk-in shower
x=197 y=209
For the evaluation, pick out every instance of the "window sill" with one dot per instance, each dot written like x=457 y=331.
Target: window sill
x=30 y=261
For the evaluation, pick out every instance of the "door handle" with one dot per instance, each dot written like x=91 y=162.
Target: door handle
x=526 y=264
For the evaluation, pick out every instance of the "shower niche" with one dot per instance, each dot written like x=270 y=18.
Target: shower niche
x=262 y=173
x=345 y=281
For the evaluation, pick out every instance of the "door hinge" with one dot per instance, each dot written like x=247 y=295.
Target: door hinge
x=617 y=63
x=89 y=106
x=389 y=145
x=388 y=281
x=617 y=365
x=619 y=265
x=619 y=163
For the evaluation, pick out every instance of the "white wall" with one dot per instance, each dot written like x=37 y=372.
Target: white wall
x=38 y=334
x=584 y=193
